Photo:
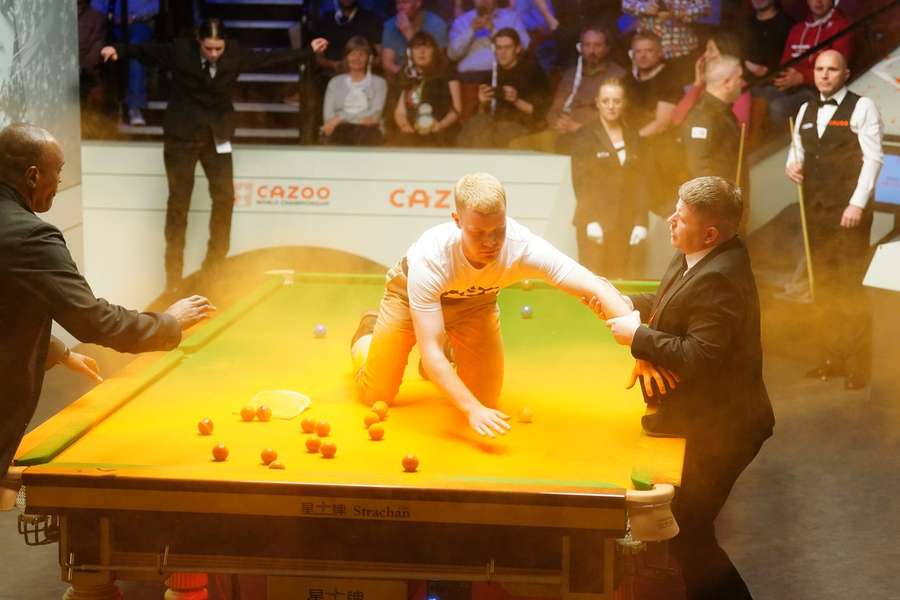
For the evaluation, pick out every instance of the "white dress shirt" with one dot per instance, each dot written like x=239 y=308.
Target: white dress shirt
x=866 y=123
x=694 y=257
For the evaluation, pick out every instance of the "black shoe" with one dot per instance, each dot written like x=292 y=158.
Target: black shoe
x=827 y=370
x=855 y=381
x=366 y=326
x=661 y=424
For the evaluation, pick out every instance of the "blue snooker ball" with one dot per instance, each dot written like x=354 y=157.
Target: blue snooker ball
x=320 y=330
x=527 y=312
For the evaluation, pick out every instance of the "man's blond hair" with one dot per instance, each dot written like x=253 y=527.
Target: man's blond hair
x=481 y=192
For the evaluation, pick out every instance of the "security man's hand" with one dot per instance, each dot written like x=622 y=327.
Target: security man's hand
x=664 y=378
x=190 y=311
x=83 y=365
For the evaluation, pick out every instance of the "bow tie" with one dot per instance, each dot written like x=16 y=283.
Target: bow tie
x=829 y=102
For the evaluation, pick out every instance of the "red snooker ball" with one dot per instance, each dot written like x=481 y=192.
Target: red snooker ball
x=370 y=419
x=248 y=413
x=268 y=455
x=264 y=413
x=376 y=431
x=323 y=428
x=308 y=425
x=380 y=408
x=410 y=463
x=313 y=444
x=205 y=426
x=220 y=452
x=328 y=450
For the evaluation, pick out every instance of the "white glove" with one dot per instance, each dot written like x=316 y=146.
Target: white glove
x=638 y=235
x=594 y=232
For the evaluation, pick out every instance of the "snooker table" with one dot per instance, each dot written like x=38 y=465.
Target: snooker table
x=128 y=485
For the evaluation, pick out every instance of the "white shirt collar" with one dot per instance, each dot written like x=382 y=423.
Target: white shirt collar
x=838 y=95
x=694 y=257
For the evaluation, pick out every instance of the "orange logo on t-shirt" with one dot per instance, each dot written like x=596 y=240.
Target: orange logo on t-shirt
x=838 y=123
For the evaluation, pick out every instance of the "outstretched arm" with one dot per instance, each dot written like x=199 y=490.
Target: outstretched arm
x=583 y=284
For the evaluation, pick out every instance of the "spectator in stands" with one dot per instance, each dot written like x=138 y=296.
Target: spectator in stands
x=575 y=101
x=514 y=103
x=611 y=211
x=793 y=86
x=91 y=38
x=672 y=21
x=400 y=29
x=430 y=101
x=721 y=43
x=346 y=21
x=198 y=126
x=539 y=20
x=652 y=96
x=573 y=15
x=471 y=34
x=141 y=21
x=710 y=132
x=768 y=30
x=354 y=101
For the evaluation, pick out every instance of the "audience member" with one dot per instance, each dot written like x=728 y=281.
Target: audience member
x=515 y=101
x=430 y=101
x=141 y=20
x=575 y=101
x=710 y=132
x=672 y=21
x=611 y=210
x=91 y=38
x=471 y=34
x=768 y=29
x=354 y=101
x=399 y=30
x=719 y=44
x=346 y=21
x=539 y=20
x=793 y=86
x=572 y=16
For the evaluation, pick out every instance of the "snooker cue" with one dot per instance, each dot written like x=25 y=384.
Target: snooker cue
x=740 y=163
x=809 y=271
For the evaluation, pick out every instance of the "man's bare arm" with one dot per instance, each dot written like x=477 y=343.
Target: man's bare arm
x=583 y=284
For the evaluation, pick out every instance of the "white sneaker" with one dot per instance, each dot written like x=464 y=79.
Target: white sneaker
x=135 y=117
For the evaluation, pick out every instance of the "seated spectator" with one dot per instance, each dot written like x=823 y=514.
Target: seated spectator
x=575 y=101
x=611 y=203
x=572 y=16
x=348 y=20
x=141 y=19
x=794 y=85
x=652 y=96
x=91 y=38
x=354 y=101
x=399 y=30
x=721 y=43
x=539 y=20
x=672 y=21
x=710 y=132
x=768 y=30
x=470 y=38
x=430 y=102
x=515 y=101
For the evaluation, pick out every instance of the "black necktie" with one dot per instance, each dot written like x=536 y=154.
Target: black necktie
x=209 y=67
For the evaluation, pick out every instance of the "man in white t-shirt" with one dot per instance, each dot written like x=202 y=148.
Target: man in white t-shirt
x=445 y=289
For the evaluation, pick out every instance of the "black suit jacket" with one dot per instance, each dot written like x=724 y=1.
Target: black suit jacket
x=198 y=103
x=705 y=327
x=612 y=194
x=39 y=282
x=711 y=137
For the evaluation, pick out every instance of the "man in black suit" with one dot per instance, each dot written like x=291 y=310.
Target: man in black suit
x=702 y=330
x=199 y=126
x=39 y=282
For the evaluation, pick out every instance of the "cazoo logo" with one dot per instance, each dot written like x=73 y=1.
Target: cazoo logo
x=420 y=198
x=285 y=193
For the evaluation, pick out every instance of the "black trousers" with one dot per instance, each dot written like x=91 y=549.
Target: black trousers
x=710 y=471
x=611 y=259
x=181 y=158
x=840 y=257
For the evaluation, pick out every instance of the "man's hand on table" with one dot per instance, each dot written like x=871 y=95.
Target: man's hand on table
x=487 y=421
x=190 y=311
x=83 y=365
x=650 y=372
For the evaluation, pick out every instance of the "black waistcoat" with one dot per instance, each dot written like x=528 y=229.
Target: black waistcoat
x=832 y=163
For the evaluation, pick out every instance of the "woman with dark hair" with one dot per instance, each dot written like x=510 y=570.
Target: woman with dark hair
x=199 y=126
x=611 y=199
x=720 y=43
x=354 y=100
x=430 y=101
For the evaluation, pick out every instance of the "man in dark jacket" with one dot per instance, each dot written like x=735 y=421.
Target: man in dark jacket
x=40 y=283
x=710 y=133
x=702 y=327
x=199 y=126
